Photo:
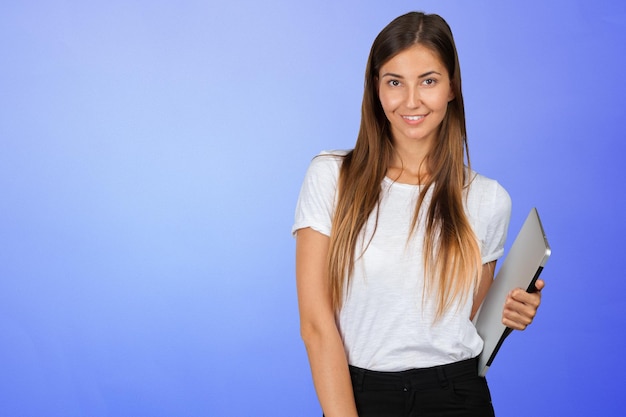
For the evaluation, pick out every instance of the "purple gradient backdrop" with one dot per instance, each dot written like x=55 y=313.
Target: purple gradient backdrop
x=151 y=154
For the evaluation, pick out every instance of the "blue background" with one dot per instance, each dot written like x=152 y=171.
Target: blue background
x=151 y=154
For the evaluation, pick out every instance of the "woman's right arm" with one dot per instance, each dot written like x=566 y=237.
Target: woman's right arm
x=318 y=328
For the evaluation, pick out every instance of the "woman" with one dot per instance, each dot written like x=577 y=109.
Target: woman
x=396 y=243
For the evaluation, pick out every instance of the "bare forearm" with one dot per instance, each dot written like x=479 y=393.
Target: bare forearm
x=331 y=377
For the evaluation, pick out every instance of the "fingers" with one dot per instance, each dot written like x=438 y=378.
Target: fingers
x=521 y=307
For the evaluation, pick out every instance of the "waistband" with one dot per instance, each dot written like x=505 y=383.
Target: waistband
x=364 y=379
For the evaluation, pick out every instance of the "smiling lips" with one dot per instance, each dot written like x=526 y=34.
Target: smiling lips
x=414 y=119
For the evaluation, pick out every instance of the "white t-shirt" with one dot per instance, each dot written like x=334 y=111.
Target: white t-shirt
x=385 y=323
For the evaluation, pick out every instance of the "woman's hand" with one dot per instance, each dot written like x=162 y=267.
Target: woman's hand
x=521 y=307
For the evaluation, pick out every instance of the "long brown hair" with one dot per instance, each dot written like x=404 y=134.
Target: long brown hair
x=451 y=252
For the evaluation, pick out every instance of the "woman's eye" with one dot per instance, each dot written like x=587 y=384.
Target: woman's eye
x=394 y=83
x=430 y=81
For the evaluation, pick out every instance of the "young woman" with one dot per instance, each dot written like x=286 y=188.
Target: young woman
x=396 y=243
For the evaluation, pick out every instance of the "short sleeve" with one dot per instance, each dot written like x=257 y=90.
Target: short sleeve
x=497 y=226
x=489 y=211
x=316 y=202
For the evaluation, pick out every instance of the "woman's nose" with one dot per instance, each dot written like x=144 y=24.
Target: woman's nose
x=413 y=98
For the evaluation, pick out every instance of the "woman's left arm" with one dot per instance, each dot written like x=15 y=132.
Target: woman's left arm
x=520 y=306
x=486 y=278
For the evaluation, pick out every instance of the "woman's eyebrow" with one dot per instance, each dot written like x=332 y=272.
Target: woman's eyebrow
x=426 y=74
x=391 y=74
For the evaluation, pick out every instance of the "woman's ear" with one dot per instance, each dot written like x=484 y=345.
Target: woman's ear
x=451 y=95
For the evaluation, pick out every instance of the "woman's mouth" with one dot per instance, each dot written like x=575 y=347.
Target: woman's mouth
x=414 y=119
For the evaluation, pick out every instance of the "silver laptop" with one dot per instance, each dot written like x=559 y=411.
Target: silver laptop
x=521 y=268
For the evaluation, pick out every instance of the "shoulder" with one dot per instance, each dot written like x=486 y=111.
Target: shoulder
x=481 y=186
x=322 y=175
x=329 y=159
x=487 y=196
x=326 y=164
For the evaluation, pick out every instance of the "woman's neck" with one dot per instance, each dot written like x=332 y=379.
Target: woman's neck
x=408 y=164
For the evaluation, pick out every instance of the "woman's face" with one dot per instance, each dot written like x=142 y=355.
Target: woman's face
x=414 y=90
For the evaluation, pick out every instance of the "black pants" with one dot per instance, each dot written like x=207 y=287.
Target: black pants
x=453 y=390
